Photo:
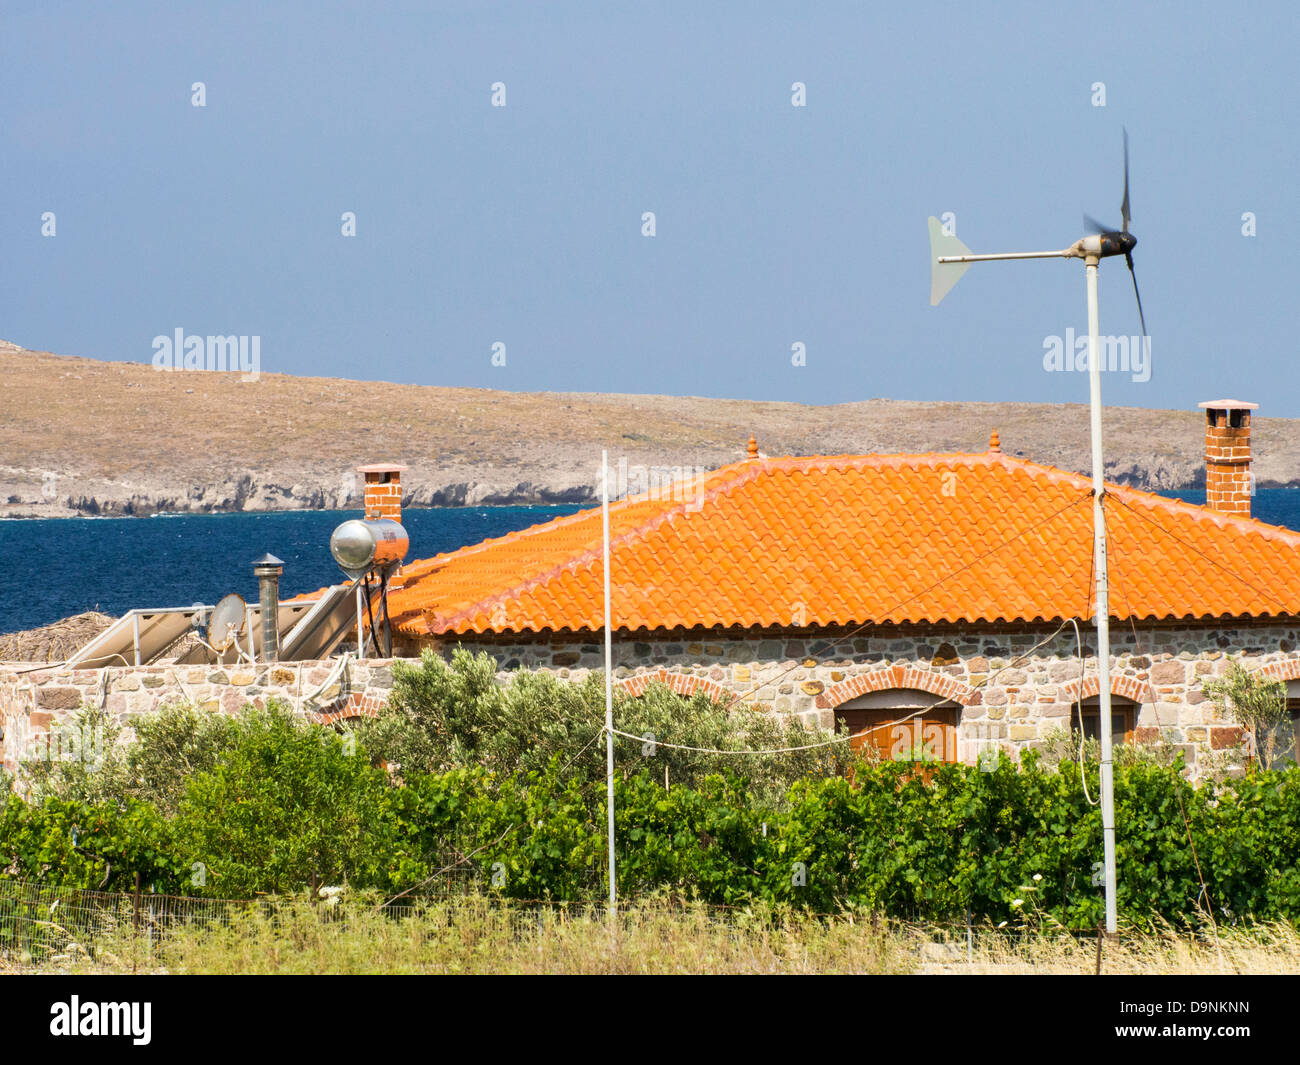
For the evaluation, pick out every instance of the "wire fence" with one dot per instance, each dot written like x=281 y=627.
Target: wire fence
x=42 y=923
x=48 y=926
x=50 y=923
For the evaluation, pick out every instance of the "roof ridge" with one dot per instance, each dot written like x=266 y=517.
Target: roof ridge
x=745 y=472
x=1155 y=501
x=517 y=534
x=563 y=521
x=1263 y=529
x=587 y=557
x=553 y=571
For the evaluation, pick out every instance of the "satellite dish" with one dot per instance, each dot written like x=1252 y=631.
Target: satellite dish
x=226 y=622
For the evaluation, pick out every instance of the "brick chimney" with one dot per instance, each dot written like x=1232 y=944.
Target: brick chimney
x=383 y=491
x=1227 y=455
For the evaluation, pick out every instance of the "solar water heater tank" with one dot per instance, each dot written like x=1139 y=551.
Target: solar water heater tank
x=363 y=544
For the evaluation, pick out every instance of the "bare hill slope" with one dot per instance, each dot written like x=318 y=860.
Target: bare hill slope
x=82 y=436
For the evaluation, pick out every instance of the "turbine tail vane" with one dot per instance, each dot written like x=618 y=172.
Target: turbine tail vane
x=944 y=275
x=950 y=258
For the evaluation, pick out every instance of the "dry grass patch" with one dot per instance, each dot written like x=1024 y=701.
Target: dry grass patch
x=481 y=935
x=477 y=935
x=1265 y=948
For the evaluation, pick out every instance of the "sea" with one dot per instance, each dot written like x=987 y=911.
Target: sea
x=57 y=567
x=63 y=566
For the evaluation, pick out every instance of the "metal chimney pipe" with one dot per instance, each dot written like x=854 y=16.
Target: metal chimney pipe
x=267 y=570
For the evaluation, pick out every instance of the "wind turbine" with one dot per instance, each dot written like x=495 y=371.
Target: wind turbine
x=952 y=259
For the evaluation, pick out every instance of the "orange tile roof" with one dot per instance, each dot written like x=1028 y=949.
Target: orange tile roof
x=850 y=539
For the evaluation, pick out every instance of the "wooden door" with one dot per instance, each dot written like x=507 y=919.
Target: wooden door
x=1121 y=722
x=930 y=736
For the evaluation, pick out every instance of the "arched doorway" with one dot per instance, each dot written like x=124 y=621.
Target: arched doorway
x=1086 y=718
x=902 y=724
x=1284 y=740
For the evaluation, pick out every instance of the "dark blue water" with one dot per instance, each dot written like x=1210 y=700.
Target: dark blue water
x=115 y=564
x=1277 y=506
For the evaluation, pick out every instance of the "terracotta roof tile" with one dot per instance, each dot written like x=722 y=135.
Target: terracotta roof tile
x=840 y=540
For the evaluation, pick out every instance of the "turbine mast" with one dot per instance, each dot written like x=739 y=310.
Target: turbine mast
x=1101 y=609
x=947 y=270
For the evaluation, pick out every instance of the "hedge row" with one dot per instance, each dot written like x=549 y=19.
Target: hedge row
x=1017 y=843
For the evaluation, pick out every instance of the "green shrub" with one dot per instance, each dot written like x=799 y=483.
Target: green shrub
x=93 y=846
x=444 y=715
x=266 y=802
x=1250 y=845
x=704 y=843
x=171 y=745
x=1259 y=704
x=438 y=717
x=285 y=802
x=80 y=760
x=697 y=721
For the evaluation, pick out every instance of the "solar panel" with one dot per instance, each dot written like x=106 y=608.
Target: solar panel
x=323 y=628
x=141 y=636
x=136 y=637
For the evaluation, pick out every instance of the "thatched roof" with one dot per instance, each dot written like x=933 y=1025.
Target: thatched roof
x=53 y=643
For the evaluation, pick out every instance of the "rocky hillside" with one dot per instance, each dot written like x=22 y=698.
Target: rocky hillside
x=78 y=436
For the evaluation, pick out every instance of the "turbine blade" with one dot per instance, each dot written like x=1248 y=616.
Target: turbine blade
x=1093 y=226
x=1124 y=208
x=944 y=275
x=1128 y=257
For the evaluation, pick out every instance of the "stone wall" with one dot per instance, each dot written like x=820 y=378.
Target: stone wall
x=1012 y=692
x=33 y=698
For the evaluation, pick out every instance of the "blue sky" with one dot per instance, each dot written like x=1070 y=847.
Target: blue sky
x=775 y=224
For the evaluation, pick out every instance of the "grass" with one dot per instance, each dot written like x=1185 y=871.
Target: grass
x=474 y=934
x=1258 y=949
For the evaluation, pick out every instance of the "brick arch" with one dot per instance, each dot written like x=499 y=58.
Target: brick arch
x=682 y=683
x=1127 y=687
x=354 y=705
x=1288 y=669
x=897 y=677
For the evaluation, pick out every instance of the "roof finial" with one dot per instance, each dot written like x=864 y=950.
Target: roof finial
x=995 y=445
x=753 y=447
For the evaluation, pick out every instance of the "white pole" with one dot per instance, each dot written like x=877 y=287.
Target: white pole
x=361 y=648
x=1103 y=602
x=1064 y=253
x=609 y=681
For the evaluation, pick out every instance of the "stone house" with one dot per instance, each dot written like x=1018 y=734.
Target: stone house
x=941 y=600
